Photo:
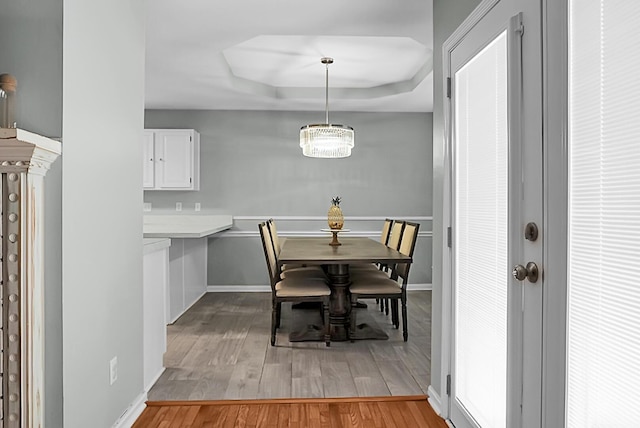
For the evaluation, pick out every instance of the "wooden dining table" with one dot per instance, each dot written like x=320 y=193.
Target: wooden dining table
x=336 y=261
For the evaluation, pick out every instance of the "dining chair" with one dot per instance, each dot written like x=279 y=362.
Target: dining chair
x=294 y=289
x=275 y=241
x=383 y=287
x=385 y=233
x=393 y=241
x=290 y=270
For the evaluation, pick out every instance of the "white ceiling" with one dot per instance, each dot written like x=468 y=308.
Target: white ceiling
x=265 y=55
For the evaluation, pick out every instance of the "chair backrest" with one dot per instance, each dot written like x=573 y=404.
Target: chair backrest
x=274 y=235
x=396 y=234
x=407 y=245
x=386 y=231
x=269 y=255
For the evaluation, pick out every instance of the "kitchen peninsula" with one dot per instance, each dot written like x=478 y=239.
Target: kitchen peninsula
x=187 y=254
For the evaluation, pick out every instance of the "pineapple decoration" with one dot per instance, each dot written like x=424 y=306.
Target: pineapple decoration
x=335 y=217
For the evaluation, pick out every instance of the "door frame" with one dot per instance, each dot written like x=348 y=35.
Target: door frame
x=444 y=402
x=555 y=119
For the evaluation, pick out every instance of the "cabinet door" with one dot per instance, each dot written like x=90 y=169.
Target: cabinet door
x=174 y=154
x=148 y=161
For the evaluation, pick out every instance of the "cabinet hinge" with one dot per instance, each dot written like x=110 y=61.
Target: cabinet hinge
x=449 y=237
x=448 y=87
x=449 y=384
x=520 y=30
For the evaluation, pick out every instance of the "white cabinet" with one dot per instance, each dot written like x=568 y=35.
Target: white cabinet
x=171 y=159
x=154 y=290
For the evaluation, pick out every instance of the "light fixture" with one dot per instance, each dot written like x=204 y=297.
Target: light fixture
x=326 y=140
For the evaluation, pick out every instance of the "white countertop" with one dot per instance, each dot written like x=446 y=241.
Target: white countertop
x=185 y=225
x=151 y=245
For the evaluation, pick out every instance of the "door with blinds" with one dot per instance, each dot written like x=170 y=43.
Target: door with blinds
x=603 y=258
x=495 y=164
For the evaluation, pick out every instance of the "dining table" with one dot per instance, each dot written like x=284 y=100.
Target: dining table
x=336 y=260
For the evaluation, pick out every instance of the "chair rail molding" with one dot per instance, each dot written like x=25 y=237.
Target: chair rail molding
x=309 y=226
x=25 y=158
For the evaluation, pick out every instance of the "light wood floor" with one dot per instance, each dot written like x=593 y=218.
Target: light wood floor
x=219 y=350
x=390 y=412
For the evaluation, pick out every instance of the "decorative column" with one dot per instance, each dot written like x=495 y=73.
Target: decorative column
x=25 y=158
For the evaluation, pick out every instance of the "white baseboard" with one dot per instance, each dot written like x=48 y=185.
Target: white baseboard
x=267 y=289
x=434 y=400
x=189 y=307
x=155 y=379
x=238 y=289
x=132 y=413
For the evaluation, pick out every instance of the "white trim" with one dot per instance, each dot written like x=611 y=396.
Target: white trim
x=467 y=25
x=188 y=307
x=309 y=234
x=324 y=218
x=132 y=413
x=555 y=53
x=238 y=289
x=434 y=399
x=155 y=379
x=267 y=289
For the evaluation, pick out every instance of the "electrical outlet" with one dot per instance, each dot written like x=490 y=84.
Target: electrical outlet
x=178 y=206
x=146 y=206
x=197 y=208
x=113 y=370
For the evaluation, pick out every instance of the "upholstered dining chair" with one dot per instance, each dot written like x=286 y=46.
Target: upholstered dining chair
x=383 y=287
x=295 y=288
x=385 y=233
x=290 y=270
x=393 y=241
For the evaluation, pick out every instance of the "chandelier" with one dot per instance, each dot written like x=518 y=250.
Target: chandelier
x=326 y=140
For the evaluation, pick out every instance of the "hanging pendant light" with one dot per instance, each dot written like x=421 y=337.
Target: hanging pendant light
x=326 y=140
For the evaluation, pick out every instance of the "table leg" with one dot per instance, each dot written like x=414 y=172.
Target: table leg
x=340 y=306
x=339 y=313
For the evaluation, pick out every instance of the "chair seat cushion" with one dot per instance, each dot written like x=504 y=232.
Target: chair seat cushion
x=304 y=272
x=298 y=287
x=361 y=275
x=375 y=286
x=363 y=266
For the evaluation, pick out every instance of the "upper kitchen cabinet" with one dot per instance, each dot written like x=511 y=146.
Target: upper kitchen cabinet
x=171 y=159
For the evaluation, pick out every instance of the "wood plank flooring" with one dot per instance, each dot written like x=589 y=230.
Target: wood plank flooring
x=385 y=412
x=219 y=350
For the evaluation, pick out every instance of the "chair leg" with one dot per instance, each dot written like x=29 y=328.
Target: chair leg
x=278 y=313
x=405 y=333
x=395 y=319
x=352 y=321
x=386 y=306
x=381 y=305
x=327 y=326
x=274 y=321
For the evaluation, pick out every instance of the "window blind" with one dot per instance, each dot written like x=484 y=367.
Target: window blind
x=603 y=324
x=481 y=218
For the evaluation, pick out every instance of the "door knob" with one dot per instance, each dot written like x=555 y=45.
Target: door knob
x=530 y=272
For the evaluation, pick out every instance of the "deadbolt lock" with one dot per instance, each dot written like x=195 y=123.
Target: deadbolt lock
x=529 y=272
x=531 y=232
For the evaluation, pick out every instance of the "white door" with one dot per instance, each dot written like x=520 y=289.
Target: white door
x=495 y=145
x=174 y=154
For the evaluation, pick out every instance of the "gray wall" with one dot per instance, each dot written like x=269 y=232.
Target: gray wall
x=252 y=166
x=447 y=16
x=103 y=115
x=31 y=34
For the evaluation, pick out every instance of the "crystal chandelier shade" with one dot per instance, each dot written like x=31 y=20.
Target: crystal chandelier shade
x=327 y=140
